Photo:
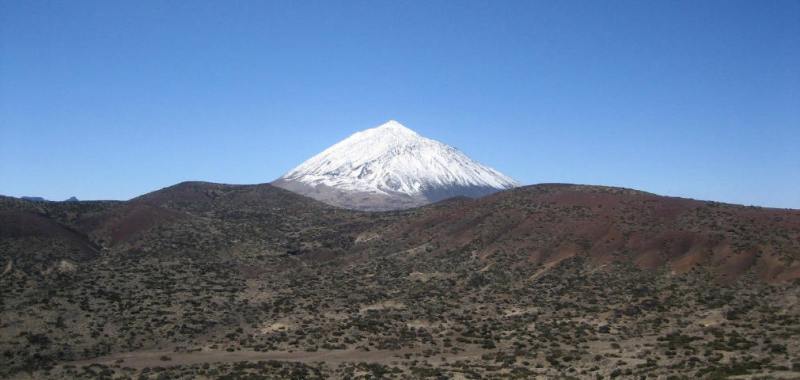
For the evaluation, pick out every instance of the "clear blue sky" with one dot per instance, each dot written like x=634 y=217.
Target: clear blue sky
x=112 y=99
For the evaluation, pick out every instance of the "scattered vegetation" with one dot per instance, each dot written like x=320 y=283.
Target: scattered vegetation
x=213 y=281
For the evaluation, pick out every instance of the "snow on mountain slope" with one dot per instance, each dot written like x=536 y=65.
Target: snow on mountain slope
x=394 y=161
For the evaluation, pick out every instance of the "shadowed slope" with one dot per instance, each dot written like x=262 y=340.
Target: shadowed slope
x=205 y=197
x=36 y=244
x=245 y=220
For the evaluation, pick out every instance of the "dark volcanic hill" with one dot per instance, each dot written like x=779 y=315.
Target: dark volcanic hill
x=205 y=218
x=35 y=243
x=544 y=224
x=212 y=280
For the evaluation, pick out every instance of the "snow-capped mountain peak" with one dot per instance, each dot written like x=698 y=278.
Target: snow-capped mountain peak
x=393 y=126
x=392 y=160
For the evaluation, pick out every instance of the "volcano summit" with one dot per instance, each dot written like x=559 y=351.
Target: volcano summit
x=391 y=167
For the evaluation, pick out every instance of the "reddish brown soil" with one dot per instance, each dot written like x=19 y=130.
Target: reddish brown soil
x=544 y=223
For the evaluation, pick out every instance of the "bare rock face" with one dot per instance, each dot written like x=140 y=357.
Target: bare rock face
x=391 y=167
